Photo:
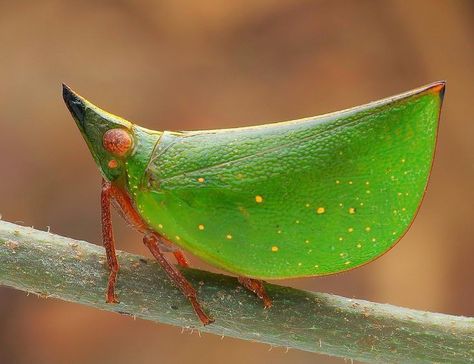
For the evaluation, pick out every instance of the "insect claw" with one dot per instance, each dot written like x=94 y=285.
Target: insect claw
x=203 y=317
x=267 y=303
x=112 y=300
x=208 y=321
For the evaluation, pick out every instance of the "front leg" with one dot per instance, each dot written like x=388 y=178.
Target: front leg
x=123 y=204
x=108 y=241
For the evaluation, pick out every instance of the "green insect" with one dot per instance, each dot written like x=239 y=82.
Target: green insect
x=301 y=198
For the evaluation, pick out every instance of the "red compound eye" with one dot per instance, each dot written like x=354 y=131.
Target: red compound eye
x=117 y=141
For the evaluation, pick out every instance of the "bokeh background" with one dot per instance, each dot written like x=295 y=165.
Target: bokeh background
x=208 y=64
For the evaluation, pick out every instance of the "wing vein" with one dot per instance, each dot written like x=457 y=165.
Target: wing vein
x=265 y=151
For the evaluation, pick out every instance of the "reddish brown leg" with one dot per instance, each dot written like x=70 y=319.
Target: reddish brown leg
x=256 y=286
x=180 y=258
x=124 y=206
x=122 y=202
x=151 y=241
x=108 y=241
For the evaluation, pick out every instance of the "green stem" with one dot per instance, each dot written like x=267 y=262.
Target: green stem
x=72 y=270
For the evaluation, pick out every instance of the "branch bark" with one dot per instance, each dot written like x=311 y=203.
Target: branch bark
x=75 y=271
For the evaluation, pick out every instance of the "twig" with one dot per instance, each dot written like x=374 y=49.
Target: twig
x=72 y=270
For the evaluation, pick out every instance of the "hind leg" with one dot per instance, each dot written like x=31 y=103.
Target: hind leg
x=256 y=286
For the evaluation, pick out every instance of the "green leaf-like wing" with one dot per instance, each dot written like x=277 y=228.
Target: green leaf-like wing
x=302 y=198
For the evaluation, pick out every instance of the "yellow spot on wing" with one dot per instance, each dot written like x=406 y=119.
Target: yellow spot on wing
x=352 y=210
x=258 y=199
x=350 y=230
x=274 y=248
x=200 y=179
x=320 y=210
x=201 y=227
x=367 y=228
x=228 y=236
x=160 y=226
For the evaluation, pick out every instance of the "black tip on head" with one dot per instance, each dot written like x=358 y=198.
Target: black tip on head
x=74 y=103
x=68 y=94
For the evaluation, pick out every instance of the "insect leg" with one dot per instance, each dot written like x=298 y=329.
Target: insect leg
x=166 y=246
x=181 y=258
x=256 y=286
x=151 y=240
x=108 y=241
x=123 y=204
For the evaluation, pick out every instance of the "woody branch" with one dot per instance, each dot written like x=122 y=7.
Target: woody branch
x=59 y=267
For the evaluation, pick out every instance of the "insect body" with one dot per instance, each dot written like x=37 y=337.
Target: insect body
x=308 y=197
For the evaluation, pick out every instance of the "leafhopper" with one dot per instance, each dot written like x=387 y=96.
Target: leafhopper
x=300 y=198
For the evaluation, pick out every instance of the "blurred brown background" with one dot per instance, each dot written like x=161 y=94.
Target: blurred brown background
x=208 y=64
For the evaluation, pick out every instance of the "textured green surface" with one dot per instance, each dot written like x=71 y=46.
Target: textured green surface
x=72 y=270
x=302 y=198
x=364 y=171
